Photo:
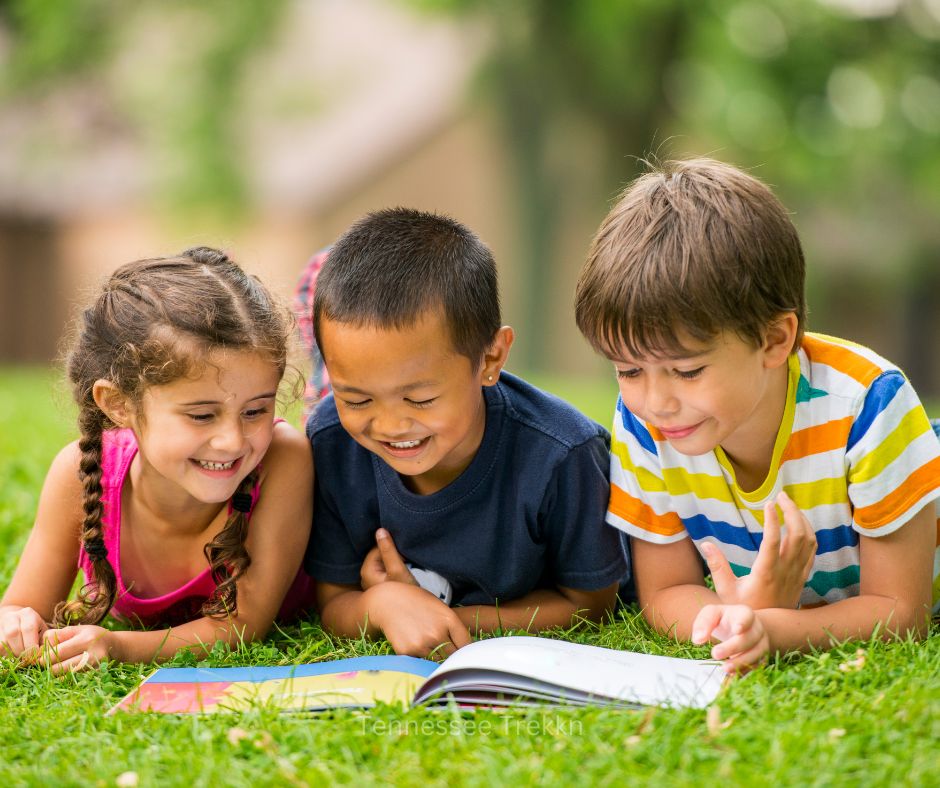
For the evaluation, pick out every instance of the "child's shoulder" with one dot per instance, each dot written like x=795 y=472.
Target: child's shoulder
x=539 y=411
x=846 y=365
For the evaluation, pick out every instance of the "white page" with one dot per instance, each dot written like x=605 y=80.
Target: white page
x=638 y=678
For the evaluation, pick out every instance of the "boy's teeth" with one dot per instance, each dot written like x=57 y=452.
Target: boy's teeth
x=403 y=444
x=216 y=466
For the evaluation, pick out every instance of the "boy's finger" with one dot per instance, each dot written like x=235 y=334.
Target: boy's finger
x=459 y=634
x=394 y=564
x=705 y=623
x=722 y=574
x=770 y=538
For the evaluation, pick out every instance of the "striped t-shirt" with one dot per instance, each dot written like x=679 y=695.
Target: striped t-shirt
x=855 y=451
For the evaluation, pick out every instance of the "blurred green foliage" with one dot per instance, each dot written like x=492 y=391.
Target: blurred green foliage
x=188 y=110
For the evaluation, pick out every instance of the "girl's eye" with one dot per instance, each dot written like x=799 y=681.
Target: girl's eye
x=627 y=374
x=354 y=405
x=201 y=418
x=690 y=374
x=422 y=403
x=254 y=413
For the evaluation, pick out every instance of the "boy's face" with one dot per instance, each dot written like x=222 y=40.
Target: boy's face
x=726 y=392
x=409 y=397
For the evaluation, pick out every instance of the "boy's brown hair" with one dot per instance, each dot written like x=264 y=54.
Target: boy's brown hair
x=692 y=247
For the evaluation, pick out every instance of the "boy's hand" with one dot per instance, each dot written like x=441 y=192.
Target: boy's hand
x=21 y=633
x=74 y=648
x=743 y=641
x=416 y=622
x=782 y=565
x=383 y=563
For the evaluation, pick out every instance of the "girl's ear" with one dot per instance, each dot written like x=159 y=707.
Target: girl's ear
x=780 y=339
x=496 y=355
x=112 y=402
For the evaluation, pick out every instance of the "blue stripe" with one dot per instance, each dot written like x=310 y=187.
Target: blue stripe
x=832 y=539
x=420 y=667
x=632 y=425
x=699 y=526
x=879 y=396
x=828 y=540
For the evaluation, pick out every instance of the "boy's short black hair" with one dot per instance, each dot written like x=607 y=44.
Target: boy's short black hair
x=393 y=266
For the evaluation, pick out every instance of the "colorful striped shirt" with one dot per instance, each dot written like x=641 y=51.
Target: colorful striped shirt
x=855 y=451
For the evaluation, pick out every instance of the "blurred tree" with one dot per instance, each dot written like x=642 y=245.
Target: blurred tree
x=836 y=99
x=187 y=110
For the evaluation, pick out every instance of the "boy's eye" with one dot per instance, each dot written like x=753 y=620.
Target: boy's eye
x=421 y=403
x=200 y=418
x=627 y=374
x=690 y=374
x=352 y=404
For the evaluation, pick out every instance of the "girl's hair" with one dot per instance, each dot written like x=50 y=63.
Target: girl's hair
x=155 y=321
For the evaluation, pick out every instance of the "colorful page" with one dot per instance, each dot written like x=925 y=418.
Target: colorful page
x=572 y=673
x=358 y=682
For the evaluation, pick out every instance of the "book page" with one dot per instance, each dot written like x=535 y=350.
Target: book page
x=578 y=671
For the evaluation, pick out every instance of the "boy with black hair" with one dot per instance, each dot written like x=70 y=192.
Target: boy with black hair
x=451 y=497
x=694 y=289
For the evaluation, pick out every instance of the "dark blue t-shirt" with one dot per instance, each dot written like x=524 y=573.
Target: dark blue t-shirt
x=527 y=513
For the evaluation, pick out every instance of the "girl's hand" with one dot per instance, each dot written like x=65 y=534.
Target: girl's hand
x=383 y=563
x=74 y=648
x=744 y=643
x=782 y=565
x=21 y=632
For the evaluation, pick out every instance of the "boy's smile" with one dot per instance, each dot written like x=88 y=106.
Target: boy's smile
x=409 y=397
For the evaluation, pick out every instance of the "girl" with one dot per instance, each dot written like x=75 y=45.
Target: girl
x=184 y=502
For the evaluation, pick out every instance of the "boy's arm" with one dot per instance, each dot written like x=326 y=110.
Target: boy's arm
x=414 y=621
x=540 y=609
x=894 y=598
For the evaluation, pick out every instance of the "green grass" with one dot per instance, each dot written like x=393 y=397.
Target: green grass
x=799 y=721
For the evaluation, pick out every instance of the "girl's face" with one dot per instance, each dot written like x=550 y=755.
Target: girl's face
x=204 y=434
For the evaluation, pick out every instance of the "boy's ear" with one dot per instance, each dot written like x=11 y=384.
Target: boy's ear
x=496 y=355
x=779 y=339
x=112 y=402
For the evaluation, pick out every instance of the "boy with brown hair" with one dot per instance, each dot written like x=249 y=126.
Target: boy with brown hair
x=693 y=287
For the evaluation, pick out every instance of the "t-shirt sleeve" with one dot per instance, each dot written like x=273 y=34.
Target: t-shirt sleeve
x=331 y=555
x=893 y=457
x=582 y=552
x=640 y=503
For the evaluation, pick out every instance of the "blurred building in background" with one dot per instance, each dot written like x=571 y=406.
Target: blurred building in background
x=267 y=126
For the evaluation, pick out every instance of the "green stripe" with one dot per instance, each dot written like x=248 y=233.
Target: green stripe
x=805 y=392
x=740 y=571
x=823 y=582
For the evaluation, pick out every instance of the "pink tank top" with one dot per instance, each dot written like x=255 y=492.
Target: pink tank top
x=119 y=447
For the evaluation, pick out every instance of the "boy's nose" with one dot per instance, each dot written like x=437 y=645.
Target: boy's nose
x=660 y=398
x=390 y=425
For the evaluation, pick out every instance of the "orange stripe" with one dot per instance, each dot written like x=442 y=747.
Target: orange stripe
x=815 y=440
x=841 y=358
x=914 y=486
x=634 y=511
x=655 y=434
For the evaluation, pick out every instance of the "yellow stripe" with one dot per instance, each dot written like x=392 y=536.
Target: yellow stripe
x=912 y=426
x=647 y=480
x=806 y=495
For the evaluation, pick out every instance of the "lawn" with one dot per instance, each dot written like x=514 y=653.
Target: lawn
x=862 y=714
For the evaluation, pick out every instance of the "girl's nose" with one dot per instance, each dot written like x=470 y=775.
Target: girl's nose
x=389 y=425
x=229 y=435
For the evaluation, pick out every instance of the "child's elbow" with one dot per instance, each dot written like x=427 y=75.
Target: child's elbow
x=908 y=621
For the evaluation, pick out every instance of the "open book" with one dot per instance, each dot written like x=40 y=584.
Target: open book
x=495 y=672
